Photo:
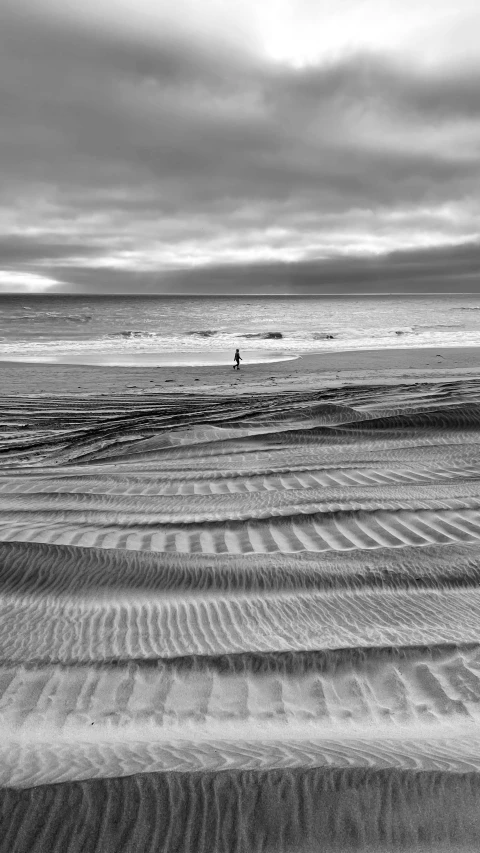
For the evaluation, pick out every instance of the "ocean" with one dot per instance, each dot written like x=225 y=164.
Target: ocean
x=135 y=330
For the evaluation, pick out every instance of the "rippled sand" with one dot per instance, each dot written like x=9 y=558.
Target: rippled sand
x=246 y=623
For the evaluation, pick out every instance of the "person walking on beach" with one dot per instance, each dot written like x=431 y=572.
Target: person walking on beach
x=237 y=359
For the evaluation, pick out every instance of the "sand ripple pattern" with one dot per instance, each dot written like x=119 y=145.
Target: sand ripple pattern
x=241 y=623
x=281 y=811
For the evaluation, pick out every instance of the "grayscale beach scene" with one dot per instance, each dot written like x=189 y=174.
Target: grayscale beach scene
x=239 y=427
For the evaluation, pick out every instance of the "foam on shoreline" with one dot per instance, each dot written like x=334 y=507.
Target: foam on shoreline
x=147 y=359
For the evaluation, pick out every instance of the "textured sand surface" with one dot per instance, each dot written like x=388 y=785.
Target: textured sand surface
x=305 y=811
x=241 y=622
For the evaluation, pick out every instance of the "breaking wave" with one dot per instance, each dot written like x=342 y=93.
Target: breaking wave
x=135 y=333
x=323 y=336
x=49 y=317
x=264 y=336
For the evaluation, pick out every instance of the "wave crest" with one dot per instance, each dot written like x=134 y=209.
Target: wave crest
x=50 y=316
x=264 y=336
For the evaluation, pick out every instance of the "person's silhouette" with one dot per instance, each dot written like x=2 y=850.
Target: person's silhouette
x=237 y=359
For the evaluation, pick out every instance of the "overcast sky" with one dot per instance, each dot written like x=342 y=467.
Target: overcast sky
x=220 y=145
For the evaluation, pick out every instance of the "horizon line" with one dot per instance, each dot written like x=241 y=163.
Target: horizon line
x=26 y=295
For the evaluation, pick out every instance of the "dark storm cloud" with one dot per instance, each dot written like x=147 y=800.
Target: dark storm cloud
x=386 y=85
x=444 y=269
x=162 y=145
x=15 y=250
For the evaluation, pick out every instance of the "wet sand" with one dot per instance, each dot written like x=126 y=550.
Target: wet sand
x=310 y=372
x=241 y=620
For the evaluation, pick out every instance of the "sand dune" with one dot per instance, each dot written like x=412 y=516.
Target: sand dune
x=226 y=597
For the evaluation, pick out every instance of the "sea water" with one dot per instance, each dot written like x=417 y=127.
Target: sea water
x=175 y=330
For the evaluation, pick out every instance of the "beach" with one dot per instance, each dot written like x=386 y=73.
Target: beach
x=311 y=371
x=240 y=610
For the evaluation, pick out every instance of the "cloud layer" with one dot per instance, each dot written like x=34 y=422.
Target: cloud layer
x=133 y=157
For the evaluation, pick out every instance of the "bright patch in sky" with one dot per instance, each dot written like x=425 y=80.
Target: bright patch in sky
x=24 y=282
x=310 y=32
x=299 y=31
